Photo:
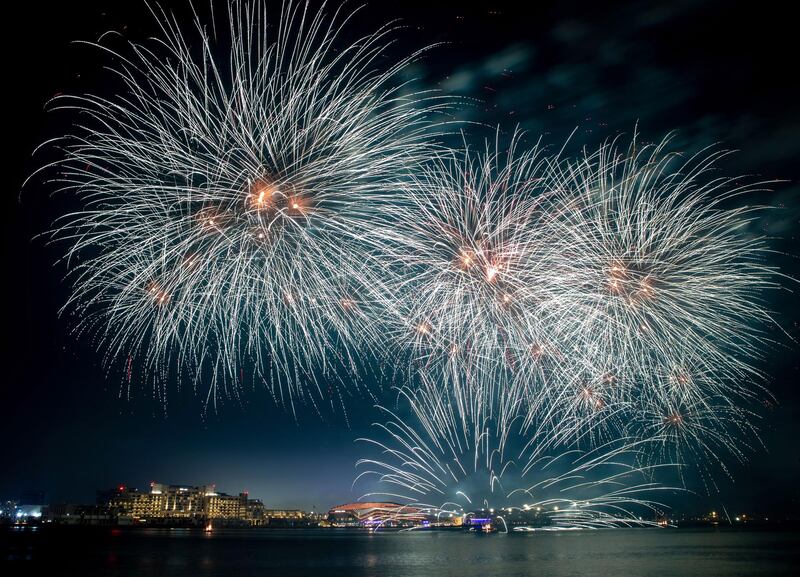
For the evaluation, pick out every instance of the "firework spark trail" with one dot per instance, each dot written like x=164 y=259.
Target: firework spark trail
x=442 y=459
x=228 y=196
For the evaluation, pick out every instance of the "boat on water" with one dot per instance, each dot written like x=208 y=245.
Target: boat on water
x=483 y=528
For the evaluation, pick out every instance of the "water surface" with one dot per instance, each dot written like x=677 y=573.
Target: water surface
x=254 y=552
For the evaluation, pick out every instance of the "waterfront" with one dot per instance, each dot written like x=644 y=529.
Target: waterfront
x=243 y=552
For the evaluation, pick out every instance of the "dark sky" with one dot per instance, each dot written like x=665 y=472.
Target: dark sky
x=716 y=71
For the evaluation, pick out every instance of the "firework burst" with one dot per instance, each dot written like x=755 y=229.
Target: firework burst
x=654 y=260
x=228 y=193
x=268 y=204
x=666 y=288
x=471 y=292
x=437 y=454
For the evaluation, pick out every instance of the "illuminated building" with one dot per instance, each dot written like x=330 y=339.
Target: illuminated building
x=170 y=504
x=370 y=514
x=287 y=517
x=180 y=501
x=222 y=506
x=291 y=514
x=29 y=507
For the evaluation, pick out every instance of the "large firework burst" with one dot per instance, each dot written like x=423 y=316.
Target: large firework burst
x=470 y=292
x=666 y=286
x=227 y=195
x=656 y=260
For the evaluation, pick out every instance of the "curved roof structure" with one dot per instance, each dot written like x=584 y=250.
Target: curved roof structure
x=377 y=512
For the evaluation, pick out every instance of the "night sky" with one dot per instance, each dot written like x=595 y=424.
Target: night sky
x=715 y=71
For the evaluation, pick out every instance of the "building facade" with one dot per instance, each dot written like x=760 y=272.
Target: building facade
x=181 y=504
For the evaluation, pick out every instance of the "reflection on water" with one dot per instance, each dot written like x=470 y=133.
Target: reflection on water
x=195 y=553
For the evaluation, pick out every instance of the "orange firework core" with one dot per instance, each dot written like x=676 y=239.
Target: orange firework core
x=296 y=205
x=260 y=196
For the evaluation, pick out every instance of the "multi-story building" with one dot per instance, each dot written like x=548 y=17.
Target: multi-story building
x=182 y=504
x=222 y=506
x=181 y=501
x=130 y=504
x=256 y=514
x=287 y=514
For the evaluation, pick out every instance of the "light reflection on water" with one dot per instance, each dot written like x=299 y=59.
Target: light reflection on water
x=194 y=553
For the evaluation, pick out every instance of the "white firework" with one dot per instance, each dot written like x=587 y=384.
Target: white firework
x=228 y=194
x=468 y=291
x=436 y=454
x=656 y=261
